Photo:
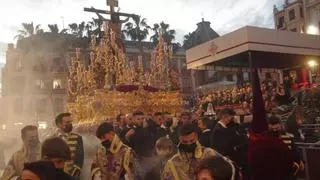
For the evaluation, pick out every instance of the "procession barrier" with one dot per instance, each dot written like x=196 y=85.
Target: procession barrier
x=311 y=157
x=311 y=126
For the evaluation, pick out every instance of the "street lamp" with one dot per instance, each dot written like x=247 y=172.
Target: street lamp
x=311 y=64
x=313 y=30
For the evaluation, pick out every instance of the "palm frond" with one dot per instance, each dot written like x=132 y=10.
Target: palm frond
x=63 y=31
x=19 y=37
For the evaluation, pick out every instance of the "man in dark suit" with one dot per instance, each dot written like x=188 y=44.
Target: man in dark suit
x=138 y=137
x=155 y=126
x=205 y=135
x=141 y=140
x=229 y=139
x=221 y=134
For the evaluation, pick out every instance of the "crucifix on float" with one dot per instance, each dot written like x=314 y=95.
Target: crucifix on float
x=114 y=22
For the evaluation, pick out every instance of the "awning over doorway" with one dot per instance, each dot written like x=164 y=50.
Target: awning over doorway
x=269 y=49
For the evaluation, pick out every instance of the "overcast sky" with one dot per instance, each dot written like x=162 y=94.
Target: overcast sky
x=182 y=15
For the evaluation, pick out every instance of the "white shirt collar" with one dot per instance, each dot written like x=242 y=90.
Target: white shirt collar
x=223 y=125
x=206 y=130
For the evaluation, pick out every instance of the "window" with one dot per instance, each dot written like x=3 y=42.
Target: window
x=230 y=77
x=57 y=65
x=301 y=12
x=57 y=84
x=40 y=84
x=292 y=15
x=281 y=22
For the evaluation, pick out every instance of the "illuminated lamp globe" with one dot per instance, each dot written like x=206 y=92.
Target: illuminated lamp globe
x=313 y=30
x=312 y=63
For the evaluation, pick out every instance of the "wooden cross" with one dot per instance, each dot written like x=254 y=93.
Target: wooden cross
x=115 y=22
x=112 y=4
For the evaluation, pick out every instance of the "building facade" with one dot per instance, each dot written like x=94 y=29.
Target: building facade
x=302 y=16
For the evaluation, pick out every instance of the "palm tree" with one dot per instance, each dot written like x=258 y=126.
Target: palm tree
x=28 y=30
x=137 y=31
x=77 y=29
x=55 y=29
x=155 y=36
x=188 y=40
x=167 y=33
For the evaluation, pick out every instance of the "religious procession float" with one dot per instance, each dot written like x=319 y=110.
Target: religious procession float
x=110 y=85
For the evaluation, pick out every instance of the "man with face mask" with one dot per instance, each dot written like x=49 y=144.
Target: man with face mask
x=75 y=143
x=30 y=152
x=182 y=166
x=114 y=160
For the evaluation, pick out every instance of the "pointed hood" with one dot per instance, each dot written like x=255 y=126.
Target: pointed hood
x=259 y=121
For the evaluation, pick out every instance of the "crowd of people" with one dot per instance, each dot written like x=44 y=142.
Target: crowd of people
x=241 y=97
x=192 y=146
x=138 y=147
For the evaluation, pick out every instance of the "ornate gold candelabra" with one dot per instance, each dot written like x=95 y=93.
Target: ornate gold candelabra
x=160 y=64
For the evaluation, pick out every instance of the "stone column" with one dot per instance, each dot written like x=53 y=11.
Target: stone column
x=193 y=78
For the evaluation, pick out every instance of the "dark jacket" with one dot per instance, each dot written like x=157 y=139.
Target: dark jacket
x=231 y=141
x=205 y=138
x=122 y=131
x=61 y=175
x=141 y=142
x=282 y=99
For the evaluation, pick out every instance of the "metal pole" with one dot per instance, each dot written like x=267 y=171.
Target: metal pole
x=250 y=66
x=304 y=155
x=310 y=77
